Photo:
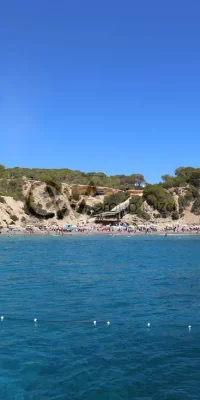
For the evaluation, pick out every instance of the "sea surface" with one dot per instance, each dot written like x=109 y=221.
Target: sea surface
x=67 y=283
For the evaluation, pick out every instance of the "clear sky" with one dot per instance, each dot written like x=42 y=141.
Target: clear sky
x=100 y=85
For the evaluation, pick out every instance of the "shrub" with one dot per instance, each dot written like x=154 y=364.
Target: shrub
x=194 y=179
x=196 y=206
x=159 y=199
x=190 y=195
x=14 y=218
x=57 y=186
x=194 y=191
x=182 y=204
x=98 y=208
x=2 y=200
x=175 y=215
x=135 y=204
x=62 y=213
x=49 y=191
x=84 y=208
x=12 y=187
x=81 y=207
x=113 y=200
x=169 y=181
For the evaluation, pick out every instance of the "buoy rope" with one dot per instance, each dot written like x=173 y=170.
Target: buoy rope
x=69 y=322
x=53 y=321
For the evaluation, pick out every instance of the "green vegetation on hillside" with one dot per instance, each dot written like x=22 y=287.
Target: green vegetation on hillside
x=12 y=187
x=135 y=204
x=196 y=206
x=135 y=207
x=73 y=177
x=114 y=200
x=159 y=199
x=183 y=176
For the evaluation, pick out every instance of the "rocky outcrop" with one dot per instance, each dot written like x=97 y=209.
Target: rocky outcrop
x=46 y=203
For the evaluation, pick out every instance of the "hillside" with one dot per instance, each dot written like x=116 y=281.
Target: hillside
x=40 y=197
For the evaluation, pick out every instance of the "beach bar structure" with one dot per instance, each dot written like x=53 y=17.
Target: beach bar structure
x=108 y=217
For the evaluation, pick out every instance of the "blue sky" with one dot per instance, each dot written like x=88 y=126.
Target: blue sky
x=111 y=86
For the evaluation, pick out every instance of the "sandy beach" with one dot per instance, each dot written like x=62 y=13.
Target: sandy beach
x=99 y=232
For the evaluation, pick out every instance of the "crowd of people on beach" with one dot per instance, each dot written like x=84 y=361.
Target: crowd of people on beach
x=120 y=229
x=184 y=229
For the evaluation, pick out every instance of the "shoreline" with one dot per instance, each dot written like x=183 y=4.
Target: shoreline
x=98 y=233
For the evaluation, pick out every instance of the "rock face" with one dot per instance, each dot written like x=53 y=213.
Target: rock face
x=11 y=212
x=52 y=204
x=47 y=204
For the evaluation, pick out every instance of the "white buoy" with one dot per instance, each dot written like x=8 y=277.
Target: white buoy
x=108 y=322
x=148 y=324
x=189 y=327
x=2 y=318
x=35 y=320
x=94 y=322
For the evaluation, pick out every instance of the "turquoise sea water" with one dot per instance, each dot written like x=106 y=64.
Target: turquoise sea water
x=75 y=280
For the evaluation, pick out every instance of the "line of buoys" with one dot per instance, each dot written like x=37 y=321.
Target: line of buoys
x=35 y=320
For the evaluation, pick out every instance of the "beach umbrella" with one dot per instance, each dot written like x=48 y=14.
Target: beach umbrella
x=67 y=228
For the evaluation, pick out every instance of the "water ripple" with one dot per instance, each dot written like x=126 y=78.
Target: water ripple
x=126 y=281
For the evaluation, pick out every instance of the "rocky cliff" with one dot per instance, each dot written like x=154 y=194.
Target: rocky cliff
x=48 y=203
